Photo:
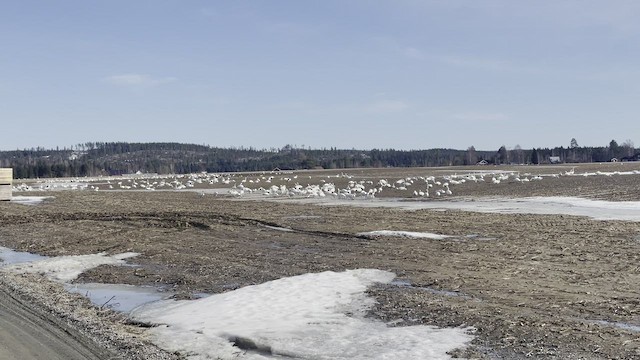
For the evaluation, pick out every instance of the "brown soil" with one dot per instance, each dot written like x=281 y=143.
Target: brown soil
x=532 y=285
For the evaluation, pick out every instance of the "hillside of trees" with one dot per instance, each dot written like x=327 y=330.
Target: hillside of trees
x=117 y=158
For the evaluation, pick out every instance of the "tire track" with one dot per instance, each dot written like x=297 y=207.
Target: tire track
x=28 y=333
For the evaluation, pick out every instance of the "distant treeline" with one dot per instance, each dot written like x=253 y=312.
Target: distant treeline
x=117 y=158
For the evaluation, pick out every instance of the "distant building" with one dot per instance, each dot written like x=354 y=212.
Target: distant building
x=76 y=155
x=482 y=162
x=6 y=178
x=554 y=159
x=614 y=160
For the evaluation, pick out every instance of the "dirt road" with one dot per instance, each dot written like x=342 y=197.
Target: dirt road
x=26 y=332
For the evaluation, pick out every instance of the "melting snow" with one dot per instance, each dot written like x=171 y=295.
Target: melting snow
x=595 y=209
x=319 y=316
x=278 y=228
x=29 y=200
x=621 y=325
x=409 y=234
x=67 y=268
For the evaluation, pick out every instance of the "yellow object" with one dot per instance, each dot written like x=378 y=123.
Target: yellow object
x=6 y=178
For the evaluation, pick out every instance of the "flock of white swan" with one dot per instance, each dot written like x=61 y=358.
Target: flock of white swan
x=290 y=184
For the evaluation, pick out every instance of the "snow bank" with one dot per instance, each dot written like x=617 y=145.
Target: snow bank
x=67 y=268
x=319 y=316
x=409 y=234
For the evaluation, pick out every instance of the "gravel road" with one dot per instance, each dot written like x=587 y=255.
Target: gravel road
x=26 y=332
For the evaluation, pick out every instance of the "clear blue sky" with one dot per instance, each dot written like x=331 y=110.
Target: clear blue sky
x=405 y=74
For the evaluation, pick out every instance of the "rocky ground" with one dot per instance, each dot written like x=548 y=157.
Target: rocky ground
x=544 y=286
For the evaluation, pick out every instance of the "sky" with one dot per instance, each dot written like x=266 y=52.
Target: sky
x=403 y=74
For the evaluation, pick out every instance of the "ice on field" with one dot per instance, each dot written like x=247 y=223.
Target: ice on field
x=311 y=316
x=67 y=268
x=407 y=234
x=29 y=200
x=119 y=297
x=10 y=256
x=551 y=205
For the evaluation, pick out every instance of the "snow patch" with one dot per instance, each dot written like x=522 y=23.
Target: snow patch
x=408 y=234
x=553 y=205
x=29 y=200
x=277 y=228
x=67 y=268
x=318 y=315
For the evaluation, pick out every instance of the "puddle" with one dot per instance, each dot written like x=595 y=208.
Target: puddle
x=401 y=283
x=9 y=256
x=620 y=325
x=407 y=284
x=119 y=297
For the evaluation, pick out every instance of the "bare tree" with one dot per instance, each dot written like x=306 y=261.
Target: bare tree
x=472 y=157
x=573 y=144
x=629 y=150
x=518 y=154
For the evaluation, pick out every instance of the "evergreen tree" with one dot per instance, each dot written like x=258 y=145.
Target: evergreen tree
x=534 y=157
x=503 y=155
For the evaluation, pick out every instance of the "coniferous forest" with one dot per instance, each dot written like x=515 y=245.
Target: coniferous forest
x=117 y=158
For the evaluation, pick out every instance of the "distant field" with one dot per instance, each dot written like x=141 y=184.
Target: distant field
x=606 y=181
x=532 y=285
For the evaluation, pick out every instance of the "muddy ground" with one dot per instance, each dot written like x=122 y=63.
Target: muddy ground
x=531 y=285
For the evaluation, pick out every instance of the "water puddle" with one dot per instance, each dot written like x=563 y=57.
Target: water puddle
x=119 y=297
x=9 y=256
x=620 y=325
